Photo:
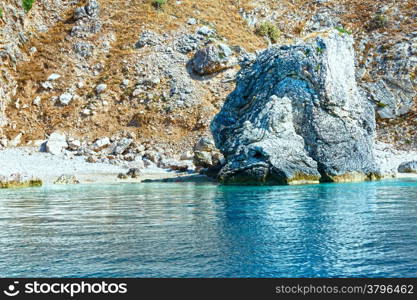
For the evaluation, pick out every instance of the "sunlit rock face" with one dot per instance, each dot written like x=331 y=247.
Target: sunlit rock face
x=297 y=116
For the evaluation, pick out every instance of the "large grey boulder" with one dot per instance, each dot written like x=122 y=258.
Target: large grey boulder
x=408 y=167
x=296 y=116
x=119 y=147
x=212 y=59
x=205 y=153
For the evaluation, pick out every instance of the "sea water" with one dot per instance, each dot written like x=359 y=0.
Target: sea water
x=206 y=230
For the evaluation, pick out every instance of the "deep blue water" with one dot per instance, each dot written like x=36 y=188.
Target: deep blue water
x=204 y=230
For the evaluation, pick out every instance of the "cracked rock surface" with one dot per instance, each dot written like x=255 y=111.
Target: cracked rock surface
x=297 y=116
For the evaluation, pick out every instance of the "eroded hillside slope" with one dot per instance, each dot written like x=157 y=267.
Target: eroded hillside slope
x=125 y=67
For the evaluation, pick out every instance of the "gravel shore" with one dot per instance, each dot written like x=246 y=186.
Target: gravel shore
x=389 y=159
x=49 y=167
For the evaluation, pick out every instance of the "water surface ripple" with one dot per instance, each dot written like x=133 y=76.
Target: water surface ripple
x=204 y=230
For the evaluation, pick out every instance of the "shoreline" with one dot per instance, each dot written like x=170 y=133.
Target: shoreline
x=148 y=177
x=47 y=167
x=406 y=175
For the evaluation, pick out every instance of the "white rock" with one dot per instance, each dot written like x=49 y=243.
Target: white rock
x=86 y=112
x=101 y=88
x=101 y=143
x=65 y=99
x=56 y=143
x=53 y=77
x=120 y=146
x=137 y=92
x=140 y=148
x=226 y=50
x=47 y=85
x=74 y=144
x=204 y=30
x=16 y=140
x=137 y=163
x=191 y=21
x=4 y=142
x=37 y=101
x=187 y=156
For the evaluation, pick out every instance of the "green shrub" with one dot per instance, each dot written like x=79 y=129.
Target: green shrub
x=269 y=30
x=1 y=12
x=27 y=4
x=413 y=74
x=158 y=4
x=343 y=30
x=380 y=104
x=378 y=21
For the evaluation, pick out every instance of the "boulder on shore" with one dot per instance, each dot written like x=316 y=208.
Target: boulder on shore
x=297 y=116
x=205 y=153
x=56 y=143
x=408 y=167
x=66 y=179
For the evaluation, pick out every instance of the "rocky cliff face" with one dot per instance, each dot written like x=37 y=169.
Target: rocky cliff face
x=95 y=69
x=297 y=115
x=385 y=46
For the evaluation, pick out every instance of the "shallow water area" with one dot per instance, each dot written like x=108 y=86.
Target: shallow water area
x=206 y=230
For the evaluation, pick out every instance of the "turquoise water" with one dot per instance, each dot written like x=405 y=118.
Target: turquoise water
x=204 y=230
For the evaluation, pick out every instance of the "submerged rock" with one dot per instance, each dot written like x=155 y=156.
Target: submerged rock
x=296 y=116
x=66 y=179
x=122 y=176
